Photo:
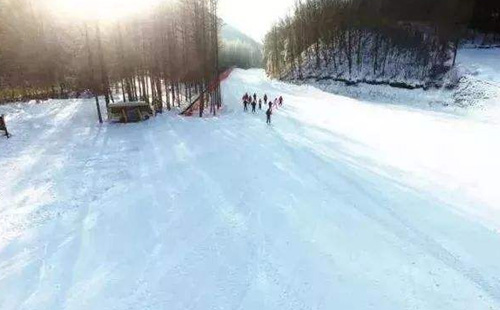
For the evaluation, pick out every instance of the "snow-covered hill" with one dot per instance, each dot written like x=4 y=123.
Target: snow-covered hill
x=475 y=81
x=238 y=49
x=340 y=204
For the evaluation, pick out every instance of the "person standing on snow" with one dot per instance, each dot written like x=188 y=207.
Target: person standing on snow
x=265 y=98
x=245 y=105
x=269 y=112
x=281 y=101
x=255 y=97
x=260 y=104
x=254 y=104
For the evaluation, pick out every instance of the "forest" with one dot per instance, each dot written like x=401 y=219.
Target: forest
x=239 y=50
x=410 y=43
x=167 y=54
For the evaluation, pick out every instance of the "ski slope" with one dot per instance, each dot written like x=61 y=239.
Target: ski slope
x=340 y=204
x=482 y=63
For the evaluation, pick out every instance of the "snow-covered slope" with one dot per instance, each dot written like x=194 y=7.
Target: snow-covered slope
x=479 y=85
x=482 y=63
x=475 y=81
x=340 y=204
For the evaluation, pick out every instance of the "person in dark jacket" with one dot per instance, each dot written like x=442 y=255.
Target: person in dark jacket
x=254 y=104
x=260 y=104
x=255 y=97
x=3 y=126
x=245 y=105
x=281 y=101
x=244 y=99
x=265 y=98
x=269 y=112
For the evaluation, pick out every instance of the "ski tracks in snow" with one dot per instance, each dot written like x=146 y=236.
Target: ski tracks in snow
x=229 y=213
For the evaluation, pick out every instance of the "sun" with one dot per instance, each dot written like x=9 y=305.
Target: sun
x=101 y=9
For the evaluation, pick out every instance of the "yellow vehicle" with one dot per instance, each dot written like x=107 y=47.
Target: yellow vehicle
x=126 y=112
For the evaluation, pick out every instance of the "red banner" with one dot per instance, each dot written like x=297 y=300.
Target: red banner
x=190 y=111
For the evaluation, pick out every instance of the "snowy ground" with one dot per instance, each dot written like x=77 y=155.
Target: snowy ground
x=483 y=63
x=341 y=204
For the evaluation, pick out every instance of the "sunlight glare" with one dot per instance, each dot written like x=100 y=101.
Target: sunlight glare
x=102 y=9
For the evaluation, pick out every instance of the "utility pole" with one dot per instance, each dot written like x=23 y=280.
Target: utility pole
x=91 y=77
x=218 y=97
x=104 y=71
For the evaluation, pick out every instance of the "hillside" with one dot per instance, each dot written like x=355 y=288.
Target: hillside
x=230 y=33
x=239 y=50
x=474 y=82
x=402 y=43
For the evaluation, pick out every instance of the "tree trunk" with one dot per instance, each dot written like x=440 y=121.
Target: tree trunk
x=91 y=78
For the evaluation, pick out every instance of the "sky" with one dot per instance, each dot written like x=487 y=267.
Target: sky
x=254 y=17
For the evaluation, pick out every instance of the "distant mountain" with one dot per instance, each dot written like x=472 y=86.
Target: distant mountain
x=230 y=33
x=239 y=50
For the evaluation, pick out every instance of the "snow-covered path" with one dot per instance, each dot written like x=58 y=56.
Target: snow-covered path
x=339 y=205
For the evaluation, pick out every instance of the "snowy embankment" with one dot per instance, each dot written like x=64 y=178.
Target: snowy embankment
x=341 y=204
x=475 y=80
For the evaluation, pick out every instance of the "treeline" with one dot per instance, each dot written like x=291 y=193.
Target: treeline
x=240 y=54
x=239 y=50
x=403 y=41
x=167 y=54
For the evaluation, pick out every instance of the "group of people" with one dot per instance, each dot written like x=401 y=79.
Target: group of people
x=249 y=100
